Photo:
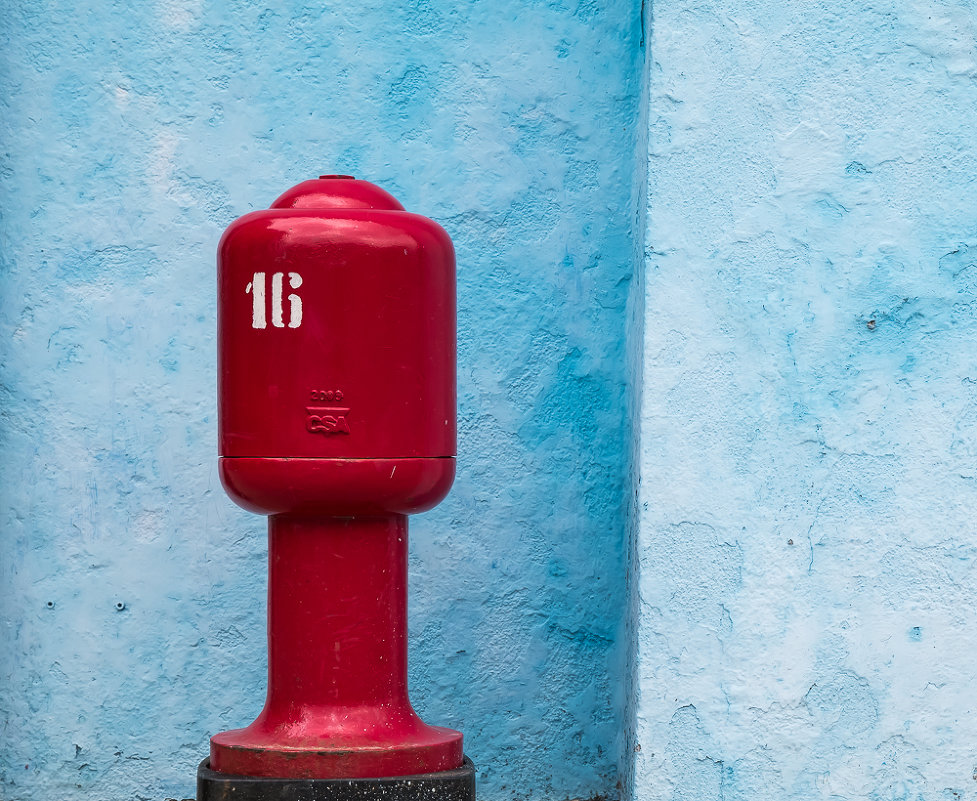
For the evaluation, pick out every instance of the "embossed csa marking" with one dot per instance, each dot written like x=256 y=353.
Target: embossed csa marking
x=326 y=420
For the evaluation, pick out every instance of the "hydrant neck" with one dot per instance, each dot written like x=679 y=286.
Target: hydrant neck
x=337 y=612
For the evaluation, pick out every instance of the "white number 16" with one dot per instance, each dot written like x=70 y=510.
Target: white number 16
x=256 y=288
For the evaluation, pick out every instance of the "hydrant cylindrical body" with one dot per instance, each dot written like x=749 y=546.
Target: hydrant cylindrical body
x=336 y=329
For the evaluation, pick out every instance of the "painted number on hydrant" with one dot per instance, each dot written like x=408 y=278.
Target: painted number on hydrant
x=256 y=288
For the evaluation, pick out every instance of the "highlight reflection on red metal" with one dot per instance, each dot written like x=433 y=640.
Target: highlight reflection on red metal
x=336 y=337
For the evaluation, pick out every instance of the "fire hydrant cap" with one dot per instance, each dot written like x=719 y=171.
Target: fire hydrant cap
x=337 y=192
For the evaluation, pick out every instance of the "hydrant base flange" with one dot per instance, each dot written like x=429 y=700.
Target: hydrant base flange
x=445 y=785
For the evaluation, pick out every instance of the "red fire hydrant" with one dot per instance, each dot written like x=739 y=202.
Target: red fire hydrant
x=336 y=403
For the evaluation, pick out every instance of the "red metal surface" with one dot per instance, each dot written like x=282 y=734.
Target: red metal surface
x=337 y=701
x=339 y=486
x=369 y=372
x=336 y=402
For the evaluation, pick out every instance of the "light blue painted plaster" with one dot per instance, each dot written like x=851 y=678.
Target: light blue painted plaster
x=132 y=600
x=808 y=453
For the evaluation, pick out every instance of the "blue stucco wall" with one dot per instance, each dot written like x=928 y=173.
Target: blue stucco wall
x=132 y=589
x=807 y=550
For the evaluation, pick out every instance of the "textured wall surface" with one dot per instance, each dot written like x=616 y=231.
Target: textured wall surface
x=132 y=589
x=809 y=437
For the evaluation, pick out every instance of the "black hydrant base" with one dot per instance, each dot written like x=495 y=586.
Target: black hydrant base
x=445 y=785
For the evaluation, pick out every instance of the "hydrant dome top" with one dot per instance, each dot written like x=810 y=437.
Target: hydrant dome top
x=337 y=192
